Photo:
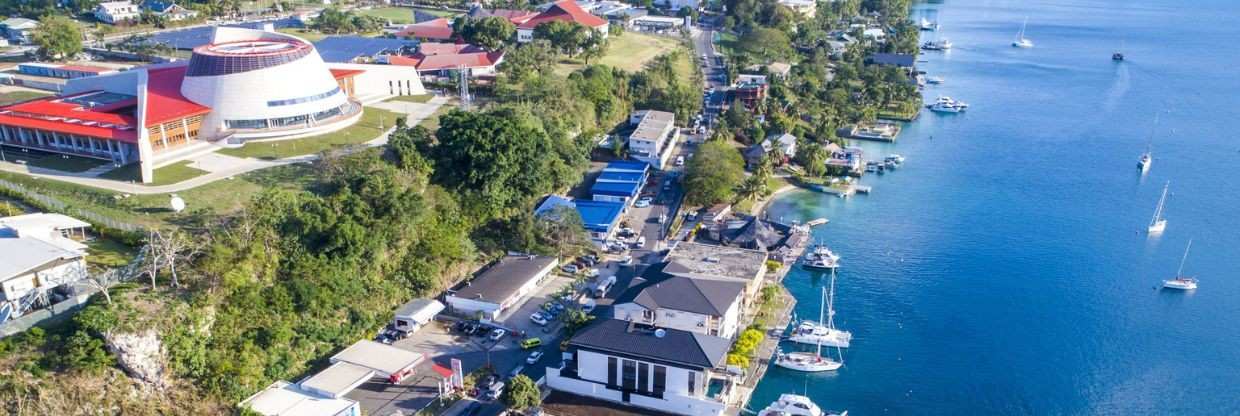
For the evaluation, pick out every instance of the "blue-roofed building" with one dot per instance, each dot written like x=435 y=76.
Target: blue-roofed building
x=351 y=49
x=621 y=182
x=600 y=218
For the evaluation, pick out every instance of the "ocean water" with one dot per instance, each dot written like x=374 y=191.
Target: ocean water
x=1005 y=268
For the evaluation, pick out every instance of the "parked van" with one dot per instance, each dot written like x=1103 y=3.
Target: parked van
x=530 y=343
x=604 y=285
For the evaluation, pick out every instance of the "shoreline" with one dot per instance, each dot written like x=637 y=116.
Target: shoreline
x=759 y=209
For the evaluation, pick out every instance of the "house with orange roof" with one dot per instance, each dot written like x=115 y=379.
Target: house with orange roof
x=565 y=11
x=441 y=59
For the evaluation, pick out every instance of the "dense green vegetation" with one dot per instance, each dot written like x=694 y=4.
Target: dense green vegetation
x=521 y=393
x=334 y=21
x=714 y=174
x=491 y=32
x=824 y=91
x=58 y=37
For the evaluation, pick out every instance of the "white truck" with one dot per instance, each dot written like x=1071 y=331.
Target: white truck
x=604 y=285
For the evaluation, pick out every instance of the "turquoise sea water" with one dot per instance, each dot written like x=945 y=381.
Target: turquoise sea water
x=1005 y=269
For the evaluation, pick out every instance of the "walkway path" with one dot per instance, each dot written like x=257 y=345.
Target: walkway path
x=221 y=166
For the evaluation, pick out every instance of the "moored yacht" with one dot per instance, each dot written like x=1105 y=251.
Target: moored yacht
x=821 y=257
x=820 y=333
x=926 y=24
x=1158 y=223
x=948 y=105
x=934 y=80
x=1021 y=41
x=795 y=405
x=938 y=45
x=808 y=362
x=1143 y=165
x=1182 y=282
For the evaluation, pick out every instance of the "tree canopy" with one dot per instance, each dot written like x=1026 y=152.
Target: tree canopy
x=521 y=393
x=490 y=32
x=58 y=37
x=334 y=21
x=713 y=174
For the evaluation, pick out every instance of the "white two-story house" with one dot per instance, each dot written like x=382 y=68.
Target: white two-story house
x=660 y=369
x=113 y=12
x=704 y=306
x=654 y=137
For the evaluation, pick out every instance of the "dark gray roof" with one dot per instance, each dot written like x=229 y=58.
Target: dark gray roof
x=675 y=347
x=656 y=289
x=500 y=281
x=755 y=235
x=896 y=59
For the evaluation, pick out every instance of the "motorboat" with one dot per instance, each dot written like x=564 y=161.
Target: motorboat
x=1182 y=282
x=871 y=166
x=926 y=24
x=819 y=333
x=1144 y=163
x=1158 y=223
x=1021 y=41
x=899 y=159
x=1118 y=56
x=795 y=405
x=821 y=258
x=938 y=45
x=934 y=80
x=808 y=362
x=948 y=105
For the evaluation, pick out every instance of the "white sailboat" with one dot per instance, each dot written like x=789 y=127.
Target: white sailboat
x=1147 y=158
x=1158 y=223
x=927 y=24
x=810 y=332
x=810 y=362
x=795 y=405
x=1182 y=282
x=1021 y=41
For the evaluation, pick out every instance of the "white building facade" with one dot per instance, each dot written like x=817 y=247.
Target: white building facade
x=113 y=12
x=654 y=139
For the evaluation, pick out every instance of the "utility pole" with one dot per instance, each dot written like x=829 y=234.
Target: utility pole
x=463 y=86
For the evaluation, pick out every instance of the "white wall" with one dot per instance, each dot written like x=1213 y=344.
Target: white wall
x=46 y=278
x=383 y=81
x=592 y=366
x=682 y=320
x=468 y=307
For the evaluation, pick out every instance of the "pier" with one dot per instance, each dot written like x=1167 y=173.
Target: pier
x=775 y=327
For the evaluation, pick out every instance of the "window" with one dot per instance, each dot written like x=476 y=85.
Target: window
x=306 y=99
x=660 y=379
x=629 y=373
x=611 y=371
x=643 y=377
x=691 y=377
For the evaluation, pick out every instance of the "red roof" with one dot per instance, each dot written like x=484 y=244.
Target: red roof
x=339 y=73
x=439 y=28
x=564 y=10
x=436 y=48
x=164 y=101
x=437 y=62
x=111 y=120
x=515 y=16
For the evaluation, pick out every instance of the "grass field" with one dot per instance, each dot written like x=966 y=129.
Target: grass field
x=11 y=97
x=726 y=43
x=629 y=52
x=374 y=121
x=166 y=175
x=307 y=34
x=413 y=98
x=402 y=14
x=64 y=163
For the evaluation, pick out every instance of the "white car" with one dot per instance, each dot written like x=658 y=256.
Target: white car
x=626 y=260
x=538 y=318
x=680 y=160
x=592 y=272
x=643 y=202
x=534 y=357
x=497 y=334
x=569 y=268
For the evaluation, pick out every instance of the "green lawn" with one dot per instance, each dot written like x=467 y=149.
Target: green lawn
x=403 y=14
x=629 y=52
x=167 y=175
x=64 y=163
x=106 y=252
x=374 y=121
x=726 y=43
x=11 y=97
x=413 y=98
x=307 y=34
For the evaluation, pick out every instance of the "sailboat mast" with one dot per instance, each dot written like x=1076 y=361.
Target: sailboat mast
x=1161 y=201
x=1180 y=272
x=830 y=301
x=1022 y=29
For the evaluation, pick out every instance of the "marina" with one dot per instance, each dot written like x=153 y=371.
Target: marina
x=964 y=281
